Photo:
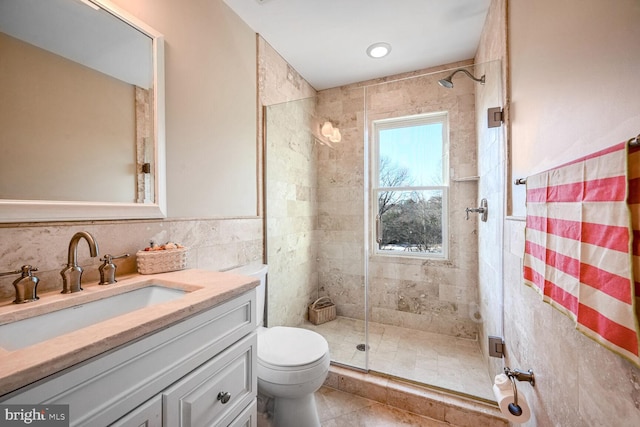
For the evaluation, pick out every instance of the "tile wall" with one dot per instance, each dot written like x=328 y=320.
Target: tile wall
x=216 y=244
x=430 y=295
x=290 y=188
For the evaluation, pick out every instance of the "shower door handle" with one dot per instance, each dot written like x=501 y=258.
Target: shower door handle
x=378 y=229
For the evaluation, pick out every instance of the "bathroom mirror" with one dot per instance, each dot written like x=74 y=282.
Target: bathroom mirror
x=81 y=113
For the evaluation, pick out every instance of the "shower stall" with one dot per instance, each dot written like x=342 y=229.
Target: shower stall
x=383 y=220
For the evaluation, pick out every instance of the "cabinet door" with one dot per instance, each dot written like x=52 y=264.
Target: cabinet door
x=248 y=417
x=149 y=414
x=217 y=392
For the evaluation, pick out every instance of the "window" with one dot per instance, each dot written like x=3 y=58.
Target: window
x=410 y=185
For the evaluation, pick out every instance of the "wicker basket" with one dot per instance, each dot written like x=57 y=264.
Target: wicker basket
x=151 y=262
x=322 y=310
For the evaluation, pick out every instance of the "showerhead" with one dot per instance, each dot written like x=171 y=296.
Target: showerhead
x=448 y=83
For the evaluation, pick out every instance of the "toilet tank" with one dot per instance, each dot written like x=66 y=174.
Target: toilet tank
x=258 y=271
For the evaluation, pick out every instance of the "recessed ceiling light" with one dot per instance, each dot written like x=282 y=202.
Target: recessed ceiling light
x=379 y=50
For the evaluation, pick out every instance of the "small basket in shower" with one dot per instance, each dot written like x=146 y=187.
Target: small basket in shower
x=322 y=310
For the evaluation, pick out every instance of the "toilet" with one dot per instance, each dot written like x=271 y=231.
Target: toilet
x=292 y=363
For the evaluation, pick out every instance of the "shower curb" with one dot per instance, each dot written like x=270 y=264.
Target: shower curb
x=439 y=405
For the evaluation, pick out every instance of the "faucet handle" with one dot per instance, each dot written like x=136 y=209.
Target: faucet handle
x=26 y=285
x=10 y=273
x=25 y=270
x=108 y=269
x=108 y=258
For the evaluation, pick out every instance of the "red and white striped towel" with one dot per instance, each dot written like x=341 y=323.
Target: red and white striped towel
x=578 y=244
x=633 y=199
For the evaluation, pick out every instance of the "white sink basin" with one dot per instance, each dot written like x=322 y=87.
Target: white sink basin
x=26 y=332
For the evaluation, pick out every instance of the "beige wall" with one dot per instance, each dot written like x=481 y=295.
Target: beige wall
x=210 y=64
x=210 y=73
x=574 y=70
x=67 y=132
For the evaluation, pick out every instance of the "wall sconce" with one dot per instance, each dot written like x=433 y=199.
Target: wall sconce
x=330 y=133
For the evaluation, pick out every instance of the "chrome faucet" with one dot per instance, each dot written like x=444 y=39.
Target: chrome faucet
x=72 y=273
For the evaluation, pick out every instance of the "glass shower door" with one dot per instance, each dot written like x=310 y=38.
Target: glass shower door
x=341 y=241
x=314 y=204
x=425 y=319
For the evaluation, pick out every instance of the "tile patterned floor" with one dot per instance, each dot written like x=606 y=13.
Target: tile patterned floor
x=339 y=409
x=438 y=360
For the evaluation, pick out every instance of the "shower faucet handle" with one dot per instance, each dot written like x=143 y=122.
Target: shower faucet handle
x=483 y=210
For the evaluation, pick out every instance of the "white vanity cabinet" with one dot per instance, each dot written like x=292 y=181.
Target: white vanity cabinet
x=216 y=392
x=200 y=371
x=149 y=414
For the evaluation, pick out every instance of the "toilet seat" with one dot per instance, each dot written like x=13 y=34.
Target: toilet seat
x=283 y=346
x=291 y=355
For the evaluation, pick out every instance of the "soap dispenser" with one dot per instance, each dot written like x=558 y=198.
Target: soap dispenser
x=26 y=285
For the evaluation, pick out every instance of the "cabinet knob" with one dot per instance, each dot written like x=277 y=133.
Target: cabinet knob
x=224 y=396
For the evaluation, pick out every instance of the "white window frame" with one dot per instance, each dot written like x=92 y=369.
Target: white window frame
x=410 y=121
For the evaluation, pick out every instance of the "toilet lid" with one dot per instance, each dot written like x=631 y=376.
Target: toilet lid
x=285 y=346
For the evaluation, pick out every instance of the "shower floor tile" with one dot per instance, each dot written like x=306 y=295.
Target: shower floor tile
x=439 y=360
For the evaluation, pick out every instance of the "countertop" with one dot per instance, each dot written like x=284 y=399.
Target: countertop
x=205 y=289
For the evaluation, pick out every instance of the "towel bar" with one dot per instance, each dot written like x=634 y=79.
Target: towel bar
x=633 y=142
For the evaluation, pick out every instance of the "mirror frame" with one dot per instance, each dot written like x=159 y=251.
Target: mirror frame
x=12 y=211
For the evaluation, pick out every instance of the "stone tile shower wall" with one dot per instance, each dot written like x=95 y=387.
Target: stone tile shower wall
x=291 y=211
x=431 y=295
x=341 y=201
x=290 y=182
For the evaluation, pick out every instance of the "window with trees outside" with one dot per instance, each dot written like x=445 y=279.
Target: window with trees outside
x=410 y=185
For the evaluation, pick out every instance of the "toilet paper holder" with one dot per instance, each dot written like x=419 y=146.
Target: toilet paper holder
x=513 y=375
x=521 y=375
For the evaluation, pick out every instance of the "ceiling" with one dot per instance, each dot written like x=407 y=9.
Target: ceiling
x=326 y=40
